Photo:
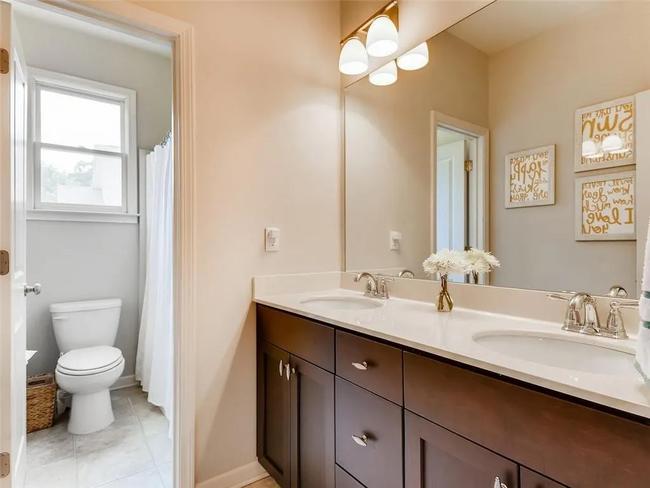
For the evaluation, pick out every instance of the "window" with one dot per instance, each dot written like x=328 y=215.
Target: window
x=83 y=148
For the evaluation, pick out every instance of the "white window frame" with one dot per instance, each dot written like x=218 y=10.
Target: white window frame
x=126 y=98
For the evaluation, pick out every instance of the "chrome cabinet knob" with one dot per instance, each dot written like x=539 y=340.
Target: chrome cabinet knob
x=35 y=289
x=281 y=368
x=361 y=366
x=498 y=484
x=362 y=441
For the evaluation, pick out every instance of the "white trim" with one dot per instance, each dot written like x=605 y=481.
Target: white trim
x=75 y=86
x=237 y=478
x=479 y=200
x=137 y=20
x=642 y=106
x=125 y=382
x=79 y=216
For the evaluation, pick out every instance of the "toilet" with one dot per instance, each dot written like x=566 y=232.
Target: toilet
x=89 y=364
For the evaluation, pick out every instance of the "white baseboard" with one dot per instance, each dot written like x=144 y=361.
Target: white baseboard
x=124 y=382
x=237 y=478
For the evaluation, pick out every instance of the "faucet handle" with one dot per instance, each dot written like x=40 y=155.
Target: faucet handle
x=615 y=325
x=383 y=286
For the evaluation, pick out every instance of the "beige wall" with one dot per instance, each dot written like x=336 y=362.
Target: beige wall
x=388 y=152
x=419 y=20
x=268 y=152
x=535 y=88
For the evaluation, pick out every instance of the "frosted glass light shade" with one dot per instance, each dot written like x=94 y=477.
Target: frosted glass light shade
x=589 y=148
x=613 y=144
x=386 y=75
x=353 y=59
x=382 y=37
x=416 y=58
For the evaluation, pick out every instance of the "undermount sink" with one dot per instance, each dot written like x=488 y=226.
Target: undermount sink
x=343 y=303
x=561 y=352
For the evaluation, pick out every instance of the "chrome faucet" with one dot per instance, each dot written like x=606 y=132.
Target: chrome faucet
x=371 y=283
x=376 y=286
x=581 y=314
x=406 y=273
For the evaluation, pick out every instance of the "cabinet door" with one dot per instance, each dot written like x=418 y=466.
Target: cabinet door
x=438 y=458
x=312 y=426
x=273 y=412
x=531 y=479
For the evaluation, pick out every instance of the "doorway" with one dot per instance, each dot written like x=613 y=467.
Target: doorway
x=96 y=175
x=459 y=178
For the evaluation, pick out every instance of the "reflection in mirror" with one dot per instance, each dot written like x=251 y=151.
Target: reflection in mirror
x=517 y=138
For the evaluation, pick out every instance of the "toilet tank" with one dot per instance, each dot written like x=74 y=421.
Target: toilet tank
x=85 y=324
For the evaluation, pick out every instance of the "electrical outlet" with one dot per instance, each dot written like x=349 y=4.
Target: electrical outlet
x=272 y=239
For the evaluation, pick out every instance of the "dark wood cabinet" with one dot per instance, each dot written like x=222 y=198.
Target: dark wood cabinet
x=312 y=426
x=368 y=436
x=273 y=412
x=531 y=479
x=438 y=458
x=428 y=422
x=344 y=480
x=370 y=364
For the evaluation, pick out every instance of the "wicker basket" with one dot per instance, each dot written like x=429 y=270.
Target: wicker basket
x=41 y=400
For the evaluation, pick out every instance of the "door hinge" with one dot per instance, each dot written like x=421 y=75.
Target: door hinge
x=469 y=165
x=4 y=61
x=5 y=464
x=4 y=262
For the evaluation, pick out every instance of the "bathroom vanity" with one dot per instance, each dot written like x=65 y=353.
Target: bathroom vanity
x=357 y=403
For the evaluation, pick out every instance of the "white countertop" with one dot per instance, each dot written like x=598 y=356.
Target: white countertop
x=450 y=335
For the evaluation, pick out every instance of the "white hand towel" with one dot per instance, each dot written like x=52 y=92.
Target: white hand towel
x=643 y=350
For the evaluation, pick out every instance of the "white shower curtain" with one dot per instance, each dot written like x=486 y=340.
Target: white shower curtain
x=155 y=358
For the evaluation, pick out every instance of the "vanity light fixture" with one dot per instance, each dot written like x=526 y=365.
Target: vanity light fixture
x=383 y=39
x=416 y=58
x=354 y=58
x=384 y=76
x=612 y=144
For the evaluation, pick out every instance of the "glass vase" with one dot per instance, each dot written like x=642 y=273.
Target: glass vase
x=445 y=302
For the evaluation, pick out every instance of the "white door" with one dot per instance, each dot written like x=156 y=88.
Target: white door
x=13 y=114
x=451 y=199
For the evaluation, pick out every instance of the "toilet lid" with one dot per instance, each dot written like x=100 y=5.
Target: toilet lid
x=89 y=360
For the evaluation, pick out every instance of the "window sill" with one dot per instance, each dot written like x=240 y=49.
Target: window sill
x=73 y=216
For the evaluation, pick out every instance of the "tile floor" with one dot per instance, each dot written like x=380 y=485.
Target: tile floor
x=134 y=452
x=265 y=483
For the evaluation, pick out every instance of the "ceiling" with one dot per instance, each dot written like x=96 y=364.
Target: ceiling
x=506 y=23
x=89 y=27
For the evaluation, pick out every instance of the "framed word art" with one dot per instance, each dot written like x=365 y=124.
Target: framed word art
x=605 y=207
x=593 y=125
x=530 y=177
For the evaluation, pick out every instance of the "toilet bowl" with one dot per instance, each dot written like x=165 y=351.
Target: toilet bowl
x=89 y=364
x=87 y=374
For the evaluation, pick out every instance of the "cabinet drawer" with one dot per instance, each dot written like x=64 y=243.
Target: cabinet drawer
x=360 y=413
x=301 y=337
x=531 y=479
x=370 y=364
x=569 y=443
x=344 y=480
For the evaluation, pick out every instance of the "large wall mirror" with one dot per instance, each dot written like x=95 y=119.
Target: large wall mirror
x=521 y=136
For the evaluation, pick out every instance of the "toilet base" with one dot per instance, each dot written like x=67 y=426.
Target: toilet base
x=91 y=412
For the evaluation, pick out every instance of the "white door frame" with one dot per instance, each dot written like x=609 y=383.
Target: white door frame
x=134 y=19
x=479 y=199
